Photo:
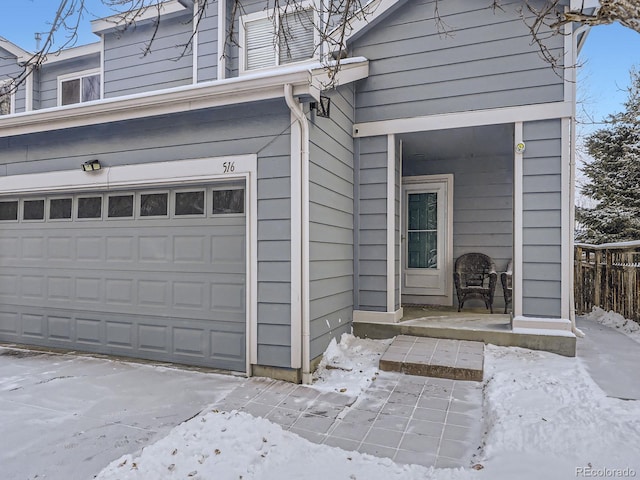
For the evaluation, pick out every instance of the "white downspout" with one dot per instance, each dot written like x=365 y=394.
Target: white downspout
x=298 y=113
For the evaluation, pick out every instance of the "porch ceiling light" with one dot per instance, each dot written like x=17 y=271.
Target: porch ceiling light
x=91 y=166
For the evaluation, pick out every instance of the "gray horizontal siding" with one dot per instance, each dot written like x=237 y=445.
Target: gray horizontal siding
x=49 y=73
x=541 y=219
x=372 y=221
x=208 y=44
x=232 y=130
x=128 y=70
x=486 y=61
x=9 y=69
x=331 y=206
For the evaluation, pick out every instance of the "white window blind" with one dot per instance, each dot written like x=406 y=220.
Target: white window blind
x=261 y=50
x=296 y=36
x=295 y=39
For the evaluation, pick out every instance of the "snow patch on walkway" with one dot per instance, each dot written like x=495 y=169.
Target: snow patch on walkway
x=349 y=366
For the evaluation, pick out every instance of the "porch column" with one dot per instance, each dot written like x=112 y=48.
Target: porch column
x=378 y=297
x=541 y=277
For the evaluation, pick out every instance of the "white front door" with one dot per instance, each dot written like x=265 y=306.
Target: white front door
x=427 y=244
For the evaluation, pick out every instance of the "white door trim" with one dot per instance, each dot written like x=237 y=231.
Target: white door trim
x=183 y=172
x=445 y=260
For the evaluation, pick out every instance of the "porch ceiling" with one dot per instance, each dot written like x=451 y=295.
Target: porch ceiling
x=481 y=141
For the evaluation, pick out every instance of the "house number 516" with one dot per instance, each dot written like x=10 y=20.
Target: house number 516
x=228 y=167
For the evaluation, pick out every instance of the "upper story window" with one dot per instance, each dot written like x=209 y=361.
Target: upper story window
x=6 y=97
x=79 y=87
x=295 y=41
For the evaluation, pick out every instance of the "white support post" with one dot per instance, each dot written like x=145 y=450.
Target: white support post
x=194 y=43
x=566 y=250
x=517 y=221
x=391 y=213
x=222 y=35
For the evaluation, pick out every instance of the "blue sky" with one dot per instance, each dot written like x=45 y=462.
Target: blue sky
x=607 y=56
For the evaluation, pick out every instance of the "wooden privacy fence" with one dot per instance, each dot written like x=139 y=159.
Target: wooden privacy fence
x=608 y=276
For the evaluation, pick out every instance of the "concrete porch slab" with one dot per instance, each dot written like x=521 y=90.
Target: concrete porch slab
x=433 y=357
x=472 y=325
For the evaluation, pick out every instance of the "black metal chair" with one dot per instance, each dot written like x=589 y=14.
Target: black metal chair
x=475 y=276
x=507 y=285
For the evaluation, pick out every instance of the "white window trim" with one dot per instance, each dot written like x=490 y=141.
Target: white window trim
x=270 y=14
x=78 y=75
x=12 y=96
x=224 y=188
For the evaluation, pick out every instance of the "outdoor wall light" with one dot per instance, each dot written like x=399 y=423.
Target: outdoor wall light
x=91 y=165
x=323 y=107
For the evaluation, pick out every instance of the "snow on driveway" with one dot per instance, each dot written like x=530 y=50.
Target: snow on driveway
x=66 y=416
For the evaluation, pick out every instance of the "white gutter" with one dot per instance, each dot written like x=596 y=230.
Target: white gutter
x=303 y=279
x=305 y=80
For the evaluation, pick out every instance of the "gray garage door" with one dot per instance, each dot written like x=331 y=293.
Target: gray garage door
x=157 y=274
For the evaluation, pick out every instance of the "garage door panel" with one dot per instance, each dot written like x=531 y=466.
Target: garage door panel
x=33 y=248
x=153 y=338
x=59 y=248
x=171 y=288
x=33 y=326
x=190 y=249
x=9 y=324
x=120 y=334
x=89 y=331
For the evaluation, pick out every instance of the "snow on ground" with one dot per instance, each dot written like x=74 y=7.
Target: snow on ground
x=617 y=321
x=349 y=366
x=232 y=446
x=544 y=417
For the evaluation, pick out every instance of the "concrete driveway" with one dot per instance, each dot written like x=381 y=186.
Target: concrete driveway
x=67 y=416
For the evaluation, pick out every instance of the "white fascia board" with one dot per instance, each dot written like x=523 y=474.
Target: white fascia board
x=368 y=15
x=230 y=91
x=13 y=49
x=444 y=121
x=151 y=12
x=72 y=53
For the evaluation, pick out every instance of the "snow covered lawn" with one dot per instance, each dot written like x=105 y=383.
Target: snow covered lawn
x=544 y=418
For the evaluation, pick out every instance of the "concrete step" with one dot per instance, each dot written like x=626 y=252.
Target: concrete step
x=435 y=357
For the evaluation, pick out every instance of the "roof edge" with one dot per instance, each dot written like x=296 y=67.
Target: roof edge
x=14 y=49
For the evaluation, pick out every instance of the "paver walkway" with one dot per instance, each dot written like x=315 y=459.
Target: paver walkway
x=410 y=419
x=612 y=359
